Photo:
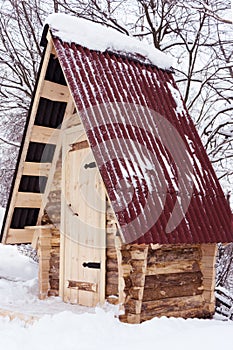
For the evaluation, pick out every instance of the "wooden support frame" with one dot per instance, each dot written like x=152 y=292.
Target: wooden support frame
x=40 y=86
x=68 y=113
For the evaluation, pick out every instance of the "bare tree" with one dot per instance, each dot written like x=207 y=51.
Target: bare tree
x=197 y=33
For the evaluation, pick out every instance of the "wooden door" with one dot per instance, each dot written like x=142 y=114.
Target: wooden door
x=82 y=267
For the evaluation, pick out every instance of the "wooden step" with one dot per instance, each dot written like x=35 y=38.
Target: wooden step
x=28 y=200
x=17 y=236
x=55 y=92
x=36 y=169
x=43 y=134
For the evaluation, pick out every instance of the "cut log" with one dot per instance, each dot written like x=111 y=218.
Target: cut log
x=173 y=304
x=179 y=253
x=171 y=292
x=172 y=267
x=173 y=280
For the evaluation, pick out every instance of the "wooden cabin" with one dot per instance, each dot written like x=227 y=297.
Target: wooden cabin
x=113 y=186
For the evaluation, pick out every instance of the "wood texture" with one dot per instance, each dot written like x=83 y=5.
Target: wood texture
x=42 y=134
x=82 y=285
x=175 y=284
x=28 y=200
x=49 y=48
x=36 y=169
x=55 y=92
x=83 y=223
x=79 y=145
x=44 y=247
x=208 y=260
x=16 y=236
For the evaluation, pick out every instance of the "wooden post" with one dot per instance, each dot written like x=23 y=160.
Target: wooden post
x=208 y=261
x=134 y=266
x=44 y=247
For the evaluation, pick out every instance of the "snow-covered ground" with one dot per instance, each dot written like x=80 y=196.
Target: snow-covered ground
x=68 y=327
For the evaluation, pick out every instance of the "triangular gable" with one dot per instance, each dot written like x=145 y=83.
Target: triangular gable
x=157 y=175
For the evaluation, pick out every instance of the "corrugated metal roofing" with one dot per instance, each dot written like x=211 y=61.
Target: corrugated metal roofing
x=157 y=174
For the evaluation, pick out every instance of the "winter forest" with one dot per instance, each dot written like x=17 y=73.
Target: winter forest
x=197 y=34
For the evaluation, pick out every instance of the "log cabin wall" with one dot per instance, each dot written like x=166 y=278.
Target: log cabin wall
x=112 y=275
x=168 y=280
x=52 y=215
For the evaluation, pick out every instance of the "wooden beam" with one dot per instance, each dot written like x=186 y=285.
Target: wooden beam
x=72 y=120
x=39 y=231
x=28 y=200
x=36 y=169
x=43 y=134
x=16 y=236
x=55 y=92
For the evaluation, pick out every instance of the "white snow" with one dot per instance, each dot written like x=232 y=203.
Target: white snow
x=2 y=213
x=177 y=97
x=73 y=327
x=101 y=38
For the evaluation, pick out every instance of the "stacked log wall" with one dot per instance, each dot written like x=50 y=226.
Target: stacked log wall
x=54 y=263
x=52 y=216
x=112 y=266
x=168 y=280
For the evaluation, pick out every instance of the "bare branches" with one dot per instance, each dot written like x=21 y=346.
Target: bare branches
x=197 y=33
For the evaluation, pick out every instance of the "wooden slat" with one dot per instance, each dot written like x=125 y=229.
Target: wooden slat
x=16 y=236
x=55 y=92
x=82 y=285
x=36 y=169
x=43 y=134
x=28 y=200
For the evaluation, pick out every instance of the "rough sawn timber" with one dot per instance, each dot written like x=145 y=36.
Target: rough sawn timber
x=168 y=280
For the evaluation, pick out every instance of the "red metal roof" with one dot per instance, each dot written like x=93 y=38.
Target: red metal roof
x=157 y=174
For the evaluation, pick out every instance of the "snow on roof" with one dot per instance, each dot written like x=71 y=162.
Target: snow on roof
x=95 y=36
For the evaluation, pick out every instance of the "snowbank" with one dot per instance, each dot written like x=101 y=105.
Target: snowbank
x=82 y=328
x=100 y=38
x=15 y=266
x=102 y=331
